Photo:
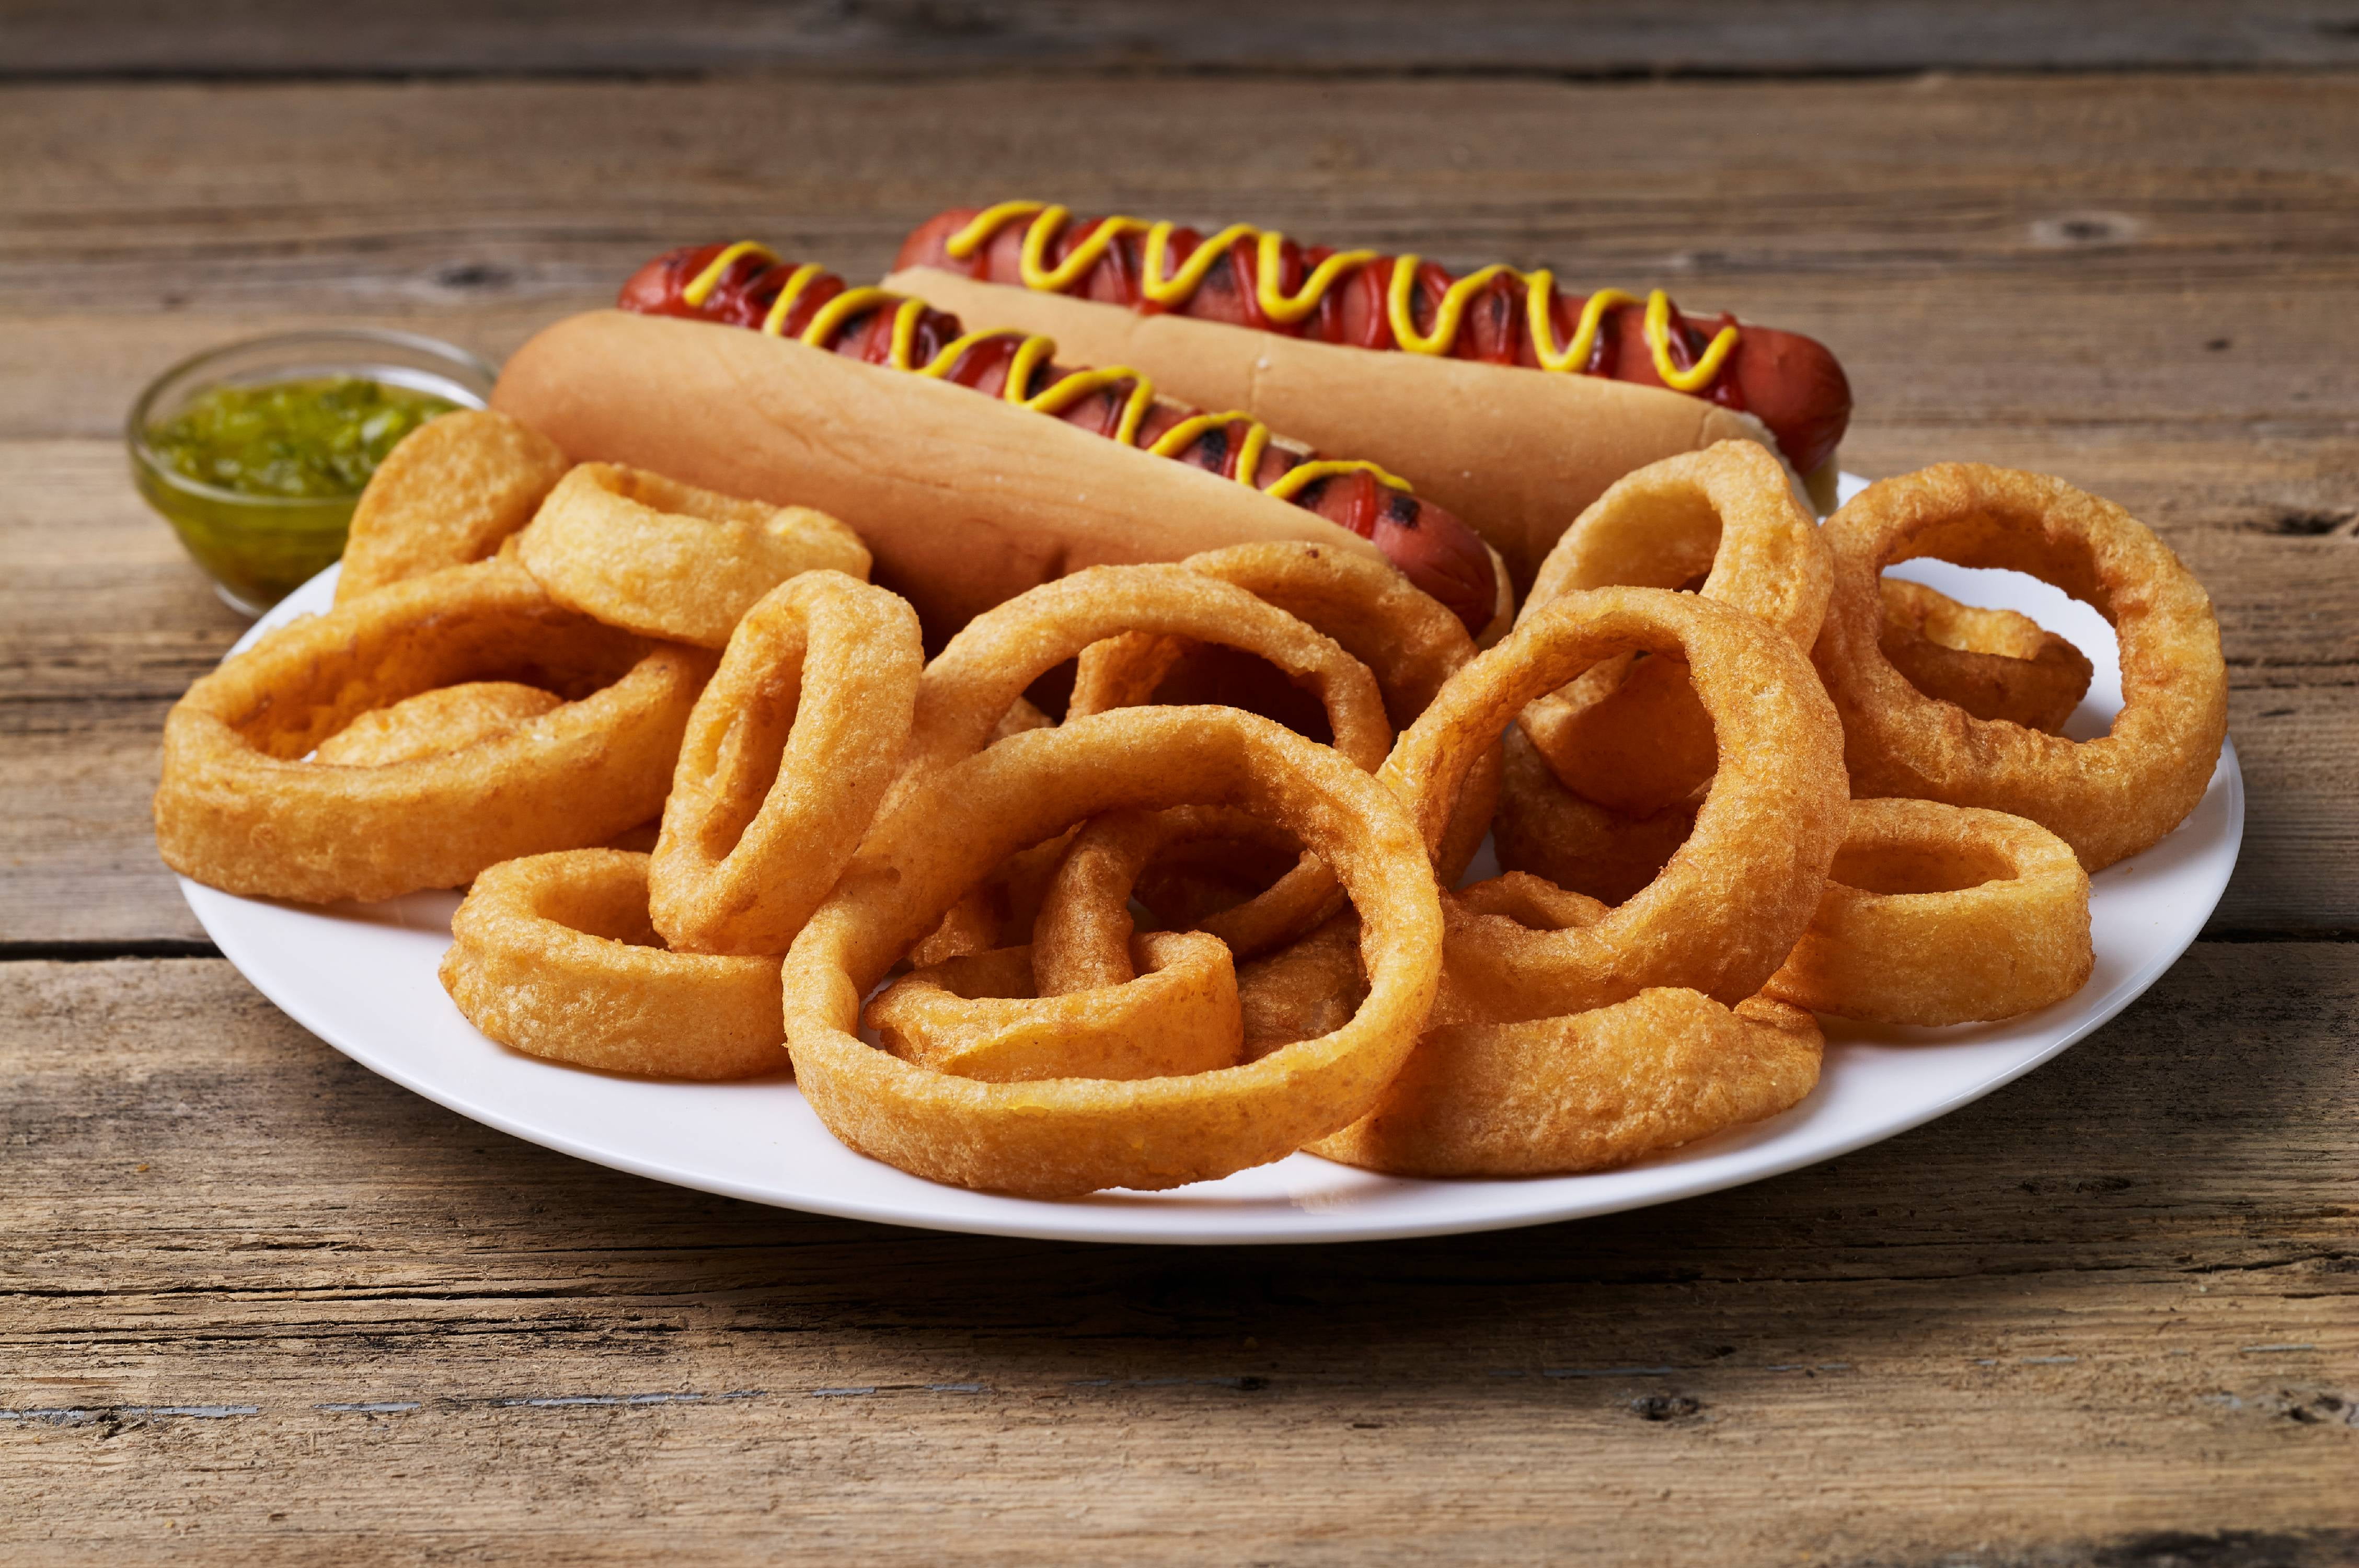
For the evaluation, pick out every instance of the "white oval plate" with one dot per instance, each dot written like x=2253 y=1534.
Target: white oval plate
x=362 y=978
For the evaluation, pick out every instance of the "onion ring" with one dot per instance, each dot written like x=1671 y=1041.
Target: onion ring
x=435 y=723
x=1544 y=828
x=1082 y=937
x=785 y=758
x=239 y=810
x=1409 y=641
x=447 y=495
x=984 y=670
x=965 y=699
x=1942 y=914
x=2108 y=798
x=1995 y=664
x=1731 y=901
x=980 y=1017
x=1586 y=1092
x=1302 y=991
x=1632 y=737
x=1062 y=1136
x=650 y=554
x=1532 y=902
x=553 y=954
x=973 y=697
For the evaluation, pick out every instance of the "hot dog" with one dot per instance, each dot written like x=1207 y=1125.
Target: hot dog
x=747 y=285
x=1511 y=402
x=833 y=394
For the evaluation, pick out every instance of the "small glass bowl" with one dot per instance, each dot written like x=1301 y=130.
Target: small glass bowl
x=259 y=549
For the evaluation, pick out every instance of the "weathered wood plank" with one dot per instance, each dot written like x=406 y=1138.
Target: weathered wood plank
x=107 y=623
x=2140 y=1257
x=264 y=38
x=1971 y=246
x=2138 y=285
x=2068 y=252
x=2105 y=1317
x=2110 y=264
x=2198 y=309
x=104 y=605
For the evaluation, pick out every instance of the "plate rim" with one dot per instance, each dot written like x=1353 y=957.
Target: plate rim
x=1147 y=1223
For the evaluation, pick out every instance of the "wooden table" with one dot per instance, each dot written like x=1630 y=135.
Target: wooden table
x=256 y=1305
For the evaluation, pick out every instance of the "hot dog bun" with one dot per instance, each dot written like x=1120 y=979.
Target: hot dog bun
x=966 y=501
x=1516 y=453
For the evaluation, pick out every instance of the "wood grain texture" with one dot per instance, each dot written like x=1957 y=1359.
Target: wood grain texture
x=255 y=1302
x=107 y=623
x=267 y=37
x=2142 y=289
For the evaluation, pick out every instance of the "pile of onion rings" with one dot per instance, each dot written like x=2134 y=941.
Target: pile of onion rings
x=2107 y=798
x=1570 y=1036
x=1065 y=1136
x=1159 y=872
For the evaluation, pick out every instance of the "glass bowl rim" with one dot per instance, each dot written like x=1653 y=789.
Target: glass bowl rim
x=135 y=433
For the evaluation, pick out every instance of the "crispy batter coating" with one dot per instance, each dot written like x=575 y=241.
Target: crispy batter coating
x=2107 y=798
x=1995 y=664
x=1731 y=902
x=998 y=912
x=650 y=554
x=1062 y=1137
x=435 y=723
x=1942 y=914
x=786 y=756
x=1409 y=642
x=239 y=809
x=984 y=670
x=976 y=682
x=1631 y=735
x=554 y=955
x=1568 y=1036
x=1533 y=901
x=448 y=494
x=982 y=1016
x=1586 y=1092
x=1302 y=991
x=1546 y=829
x=1305 y=989
x=1082 y=937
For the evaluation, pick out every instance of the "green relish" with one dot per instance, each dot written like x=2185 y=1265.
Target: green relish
x=259 y=480
x=297 y=439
